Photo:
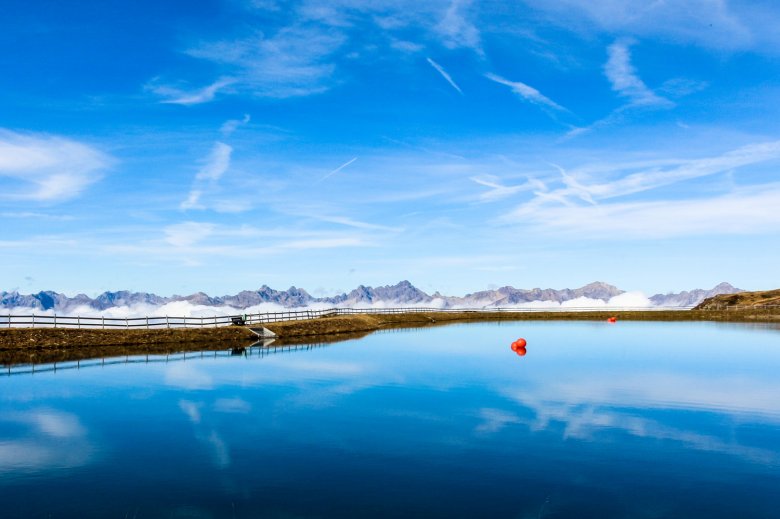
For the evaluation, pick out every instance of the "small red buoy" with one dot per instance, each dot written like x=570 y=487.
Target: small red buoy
x=519 y=347
x=612 y=319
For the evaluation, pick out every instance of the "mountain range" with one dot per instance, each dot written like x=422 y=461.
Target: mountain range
x=403 y=293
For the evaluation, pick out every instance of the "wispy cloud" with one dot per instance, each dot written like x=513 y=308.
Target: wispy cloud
x=745 y=211
x=574 y=187
x=498 y=191
x=716 y=24
x=45 y=168
x=625 y=80
x=445 y=75
x=349 y=222
x=456 y=28
x=215 y=166
x=31 y=215
x=229 y=127
x=330 y=174
x=278 y=56
x=643 y=177
x=176 y=96
x=740 y=211
x=295 y=61
x=527 y=93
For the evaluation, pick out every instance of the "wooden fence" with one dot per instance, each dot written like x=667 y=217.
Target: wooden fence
x=106 y=323
x=59 y=321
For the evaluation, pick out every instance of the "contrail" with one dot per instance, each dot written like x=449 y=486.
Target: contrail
x=338 y=169
x=444 y=74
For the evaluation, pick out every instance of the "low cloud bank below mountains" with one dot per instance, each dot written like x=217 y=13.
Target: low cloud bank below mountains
x=139 y=304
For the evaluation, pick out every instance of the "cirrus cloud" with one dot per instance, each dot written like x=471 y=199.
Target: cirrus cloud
x=47 y=168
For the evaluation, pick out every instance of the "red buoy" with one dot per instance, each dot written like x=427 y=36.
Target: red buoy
x=519 y=347
x=612 y=319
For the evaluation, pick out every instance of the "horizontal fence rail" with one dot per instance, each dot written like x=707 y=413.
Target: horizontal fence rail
x=116 y=323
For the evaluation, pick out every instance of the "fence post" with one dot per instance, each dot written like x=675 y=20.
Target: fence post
x=55 y=320
x=33 y=320
x=147 y=322
x=167 y=324
x=127 y=324
x=78 y=322
x=102 y=322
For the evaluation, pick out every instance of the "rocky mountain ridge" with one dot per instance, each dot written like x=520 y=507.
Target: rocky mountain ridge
x=403 y=293
x=693 y=297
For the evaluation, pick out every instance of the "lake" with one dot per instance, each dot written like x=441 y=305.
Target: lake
x=625 y=420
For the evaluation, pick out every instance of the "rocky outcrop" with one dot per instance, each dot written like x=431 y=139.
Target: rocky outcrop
x=766 y=298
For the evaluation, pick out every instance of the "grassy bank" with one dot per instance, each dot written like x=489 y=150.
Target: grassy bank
x=371 y=322
x=41 y=345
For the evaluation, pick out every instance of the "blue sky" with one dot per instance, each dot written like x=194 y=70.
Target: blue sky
x=221 y=145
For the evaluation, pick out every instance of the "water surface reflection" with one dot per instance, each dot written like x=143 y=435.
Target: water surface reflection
x=626 y=420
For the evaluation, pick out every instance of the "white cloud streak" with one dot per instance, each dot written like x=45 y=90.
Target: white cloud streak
x=746 y=211
x=498 y=191
x=625 y=80
x=349 y=222
x=44 y=168
x=338 y=169
x=176 y=96
x=445 y=75
x=215 y=166
x=301 y=55
x=229 y=127
x=642 y=177
x=527 y=93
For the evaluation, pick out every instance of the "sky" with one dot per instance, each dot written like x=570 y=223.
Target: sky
x=220 y=145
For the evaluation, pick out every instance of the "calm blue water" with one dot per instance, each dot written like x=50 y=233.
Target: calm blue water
x=633 y=420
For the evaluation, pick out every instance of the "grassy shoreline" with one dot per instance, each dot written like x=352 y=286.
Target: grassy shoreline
x=44 y=345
